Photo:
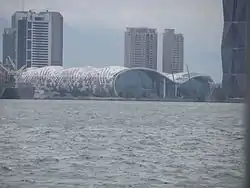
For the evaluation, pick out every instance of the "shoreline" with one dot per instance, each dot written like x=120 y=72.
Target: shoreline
x=139 y=100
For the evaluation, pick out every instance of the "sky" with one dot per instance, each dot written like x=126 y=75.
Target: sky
x=94 y=29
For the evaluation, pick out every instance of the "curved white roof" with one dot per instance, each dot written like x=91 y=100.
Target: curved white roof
x=88 y=73
x=185 y=76
x=95 y=79
x=69 y=78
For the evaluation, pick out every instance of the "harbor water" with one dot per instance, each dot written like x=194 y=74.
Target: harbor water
x=109 y=144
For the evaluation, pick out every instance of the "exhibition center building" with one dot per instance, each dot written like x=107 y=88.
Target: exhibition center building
x=116 y=81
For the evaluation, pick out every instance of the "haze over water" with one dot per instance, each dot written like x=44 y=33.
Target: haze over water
x=120 y=144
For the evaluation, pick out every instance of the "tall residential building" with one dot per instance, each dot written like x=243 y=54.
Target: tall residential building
x=39 y=38
x=173 y=52
x=233 y=47
x=140 y=48
x=8 y=44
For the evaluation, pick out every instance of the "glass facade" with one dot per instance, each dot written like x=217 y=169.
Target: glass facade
x=139 y=83
x=233 y=47
x=198 y=88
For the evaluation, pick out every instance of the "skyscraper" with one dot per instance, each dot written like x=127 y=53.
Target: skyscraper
x=8 y=44
x=173 y=52
x=39 y=39
x=19 y=25
x=21 y=44
x=233 y=47
x=140 y=48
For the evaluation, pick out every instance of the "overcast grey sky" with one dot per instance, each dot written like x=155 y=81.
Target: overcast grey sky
x=200 y=21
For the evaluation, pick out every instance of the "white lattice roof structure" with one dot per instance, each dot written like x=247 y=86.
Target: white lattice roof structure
x=98 y=81
x=185 y=77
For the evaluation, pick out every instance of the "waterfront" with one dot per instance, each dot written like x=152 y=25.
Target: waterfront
x=46 y=143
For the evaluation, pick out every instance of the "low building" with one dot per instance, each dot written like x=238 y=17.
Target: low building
x=115 y=81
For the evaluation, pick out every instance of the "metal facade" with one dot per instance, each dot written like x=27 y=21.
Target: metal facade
x=233 y=47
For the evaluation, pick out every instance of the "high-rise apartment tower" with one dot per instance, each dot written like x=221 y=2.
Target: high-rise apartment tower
x=140 y=48
x=173 y=52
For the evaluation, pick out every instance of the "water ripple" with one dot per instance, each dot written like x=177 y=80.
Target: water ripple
x=120 y=144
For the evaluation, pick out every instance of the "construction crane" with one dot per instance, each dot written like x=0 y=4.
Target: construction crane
x=12 y=70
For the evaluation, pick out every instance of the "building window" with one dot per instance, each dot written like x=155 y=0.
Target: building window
x=29 y=55
x=28 y=63
x=29 y=44
x=39 y=18
x=29 y=34
x=29 y=25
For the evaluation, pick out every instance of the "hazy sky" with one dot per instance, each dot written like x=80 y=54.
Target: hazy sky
x=200 y=21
